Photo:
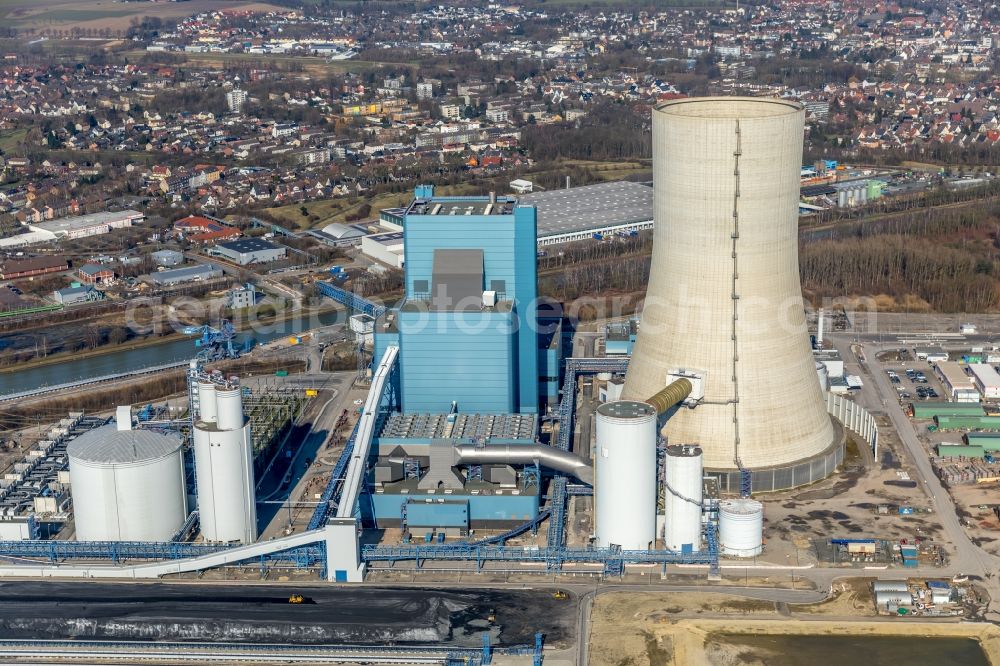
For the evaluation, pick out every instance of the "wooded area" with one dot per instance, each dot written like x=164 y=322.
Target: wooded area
x=611 y=132
x=947 y=257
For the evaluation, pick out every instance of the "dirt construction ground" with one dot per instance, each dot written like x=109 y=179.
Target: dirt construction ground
x=673 y=629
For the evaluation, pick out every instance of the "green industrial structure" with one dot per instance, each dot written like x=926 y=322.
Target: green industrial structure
x=930 y=410
x=987 y=423
x=989 y=441
x=960 y=451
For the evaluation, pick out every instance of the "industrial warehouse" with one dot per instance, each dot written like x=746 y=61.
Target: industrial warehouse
x=473 y=438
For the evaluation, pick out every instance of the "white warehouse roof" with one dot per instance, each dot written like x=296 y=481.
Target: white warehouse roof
x=986 y=374
x=342 y=231
x=109 y=446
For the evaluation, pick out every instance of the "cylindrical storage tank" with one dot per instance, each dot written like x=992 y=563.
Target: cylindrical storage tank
x=741 y=527
x=223 y=460
x=127 y=485
x=724 y=301
x=625 y=475
x=824 y=376
x=230 y=415
x=682 y=498
x=890 y=586
x=207 y=402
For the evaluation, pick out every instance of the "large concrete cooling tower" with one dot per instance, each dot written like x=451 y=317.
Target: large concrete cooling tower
x=724 y=304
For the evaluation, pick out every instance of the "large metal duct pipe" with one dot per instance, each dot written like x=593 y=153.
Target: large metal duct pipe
x=676 y=392
x=724 y=297
x=557 y=459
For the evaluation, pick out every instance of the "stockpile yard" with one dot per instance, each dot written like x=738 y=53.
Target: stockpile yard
x=263 y=614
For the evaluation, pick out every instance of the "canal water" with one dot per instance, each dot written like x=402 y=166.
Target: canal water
x=785 y=650
x=134 y=359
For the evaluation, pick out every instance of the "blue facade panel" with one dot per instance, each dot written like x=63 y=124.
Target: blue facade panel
x=509 y=265
x=435 y=513
x=618 y=347
x=506 y=508
x=443 y=359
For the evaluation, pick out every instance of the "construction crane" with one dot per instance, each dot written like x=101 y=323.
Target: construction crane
x=214 y=343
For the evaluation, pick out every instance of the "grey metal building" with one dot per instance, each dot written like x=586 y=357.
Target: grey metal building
x=75 y=295
x=578 y=213
x=168 y=257
x=186 y=274
x=248 y=251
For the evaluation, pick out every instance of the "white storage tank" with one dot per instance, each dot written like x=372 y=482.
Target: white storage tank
x=625 y=475
x=682 y=498
x=741 y=527
x=223 y=455
x=127 y=485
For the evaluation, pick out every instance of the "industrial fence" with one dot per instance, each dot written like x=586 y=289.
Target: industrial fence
x=855 y=418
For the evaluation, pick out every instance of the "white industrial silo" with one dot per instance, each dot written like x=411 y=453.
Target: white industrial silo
x=823 y=375
x=741 y=527
x=223 y=455
x=207 y=402
x=625 y=475
x=127 y=485
x=724 y=303
x=682 y=495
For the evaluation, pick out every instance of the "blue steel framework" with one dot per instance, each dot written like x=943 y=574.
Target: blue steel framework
x=613 y=559
x=120 y=551
x=350 y=300
x=553 y=556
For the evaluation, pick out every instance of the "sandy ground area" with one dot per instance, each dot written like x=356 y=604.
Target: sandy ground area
x=687 y=638
x=672 y=628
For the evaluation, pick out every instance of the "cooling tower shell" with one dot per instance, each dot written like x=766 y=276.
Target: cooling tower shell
x=127 y=485
x=682 y=498
x=625 y=475
x=711 y=157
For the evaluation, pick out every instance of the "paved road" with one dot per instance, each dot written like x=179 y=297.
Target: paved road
x=280 y=494
x=967 y=557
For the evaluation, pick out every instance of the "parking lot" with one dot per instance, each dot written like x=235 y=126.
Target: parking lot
x=914 y=380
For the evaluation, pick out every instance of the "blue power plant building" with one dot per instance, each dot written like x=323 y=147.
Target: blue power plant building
x=476 y=365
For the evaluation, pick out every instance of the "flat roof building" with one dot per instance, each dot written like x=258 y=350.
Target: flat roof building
x=953 y=377
x=387 y=248
x=249 y=251
x=987 y=380
x=578 y=213
x=82 y=226
x=619 y=337
x=168 y=257
x=186 y=274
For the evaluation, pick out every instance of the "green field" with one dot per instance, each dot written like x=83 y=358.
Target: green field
x=9 y=140
x=336 y=210
x=111 y=15
x=309 y=63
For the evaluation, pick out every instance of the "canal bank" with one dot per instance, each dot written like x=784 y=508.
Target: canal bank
x=162 y=351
